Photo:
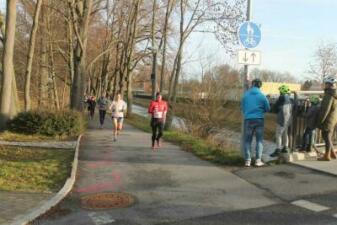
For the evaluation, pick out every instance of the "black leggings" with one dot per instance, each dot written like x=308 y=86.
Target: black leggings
x=92 y=112
x=327 y=136
x=102 y=116
x=157 y=129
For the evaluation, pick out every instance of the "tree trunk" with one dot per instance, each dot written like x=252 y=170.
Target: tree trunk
x=163 y=63
x=31 y=54
x=43 y=82
x=64 y=93
x=129 y=53
x=176 y=70
x=8 y=72
x=130 y=96
x=43 y=73
x=80 y=76
x=53 y=76
x=14 y=108
x=71 y=50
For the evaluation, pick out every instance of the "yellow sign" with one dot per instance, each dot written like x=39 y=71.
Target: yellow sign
x=271 y=88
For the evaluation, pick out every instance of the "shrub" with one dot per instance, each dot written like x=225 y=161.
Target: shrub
x=26 y=123
x=62 y=123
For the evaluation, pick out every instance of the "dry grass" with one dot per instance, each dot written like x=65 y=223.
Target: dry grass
x=205 y=117
x=34 y=169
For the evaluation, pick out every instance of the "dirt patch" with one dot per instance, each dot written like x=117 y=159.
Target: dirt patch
x=107 y=201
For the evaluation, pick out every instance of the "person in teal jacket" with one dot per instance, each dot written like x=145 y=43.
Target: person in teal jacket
x=254 y=105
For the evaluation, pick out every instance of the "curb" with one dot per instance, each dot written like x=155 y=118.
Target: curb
x=313 y=169
x=52 y=144
x=47 y=205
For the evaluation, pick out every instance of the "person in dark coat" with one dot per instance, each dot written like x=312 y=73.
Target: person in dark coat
x=327 y=119
x=311 y=117
x=91 y=102
x=284 y=109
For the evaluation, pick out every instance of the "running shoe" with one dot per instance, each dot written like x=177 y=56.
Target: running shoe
x=259 y=163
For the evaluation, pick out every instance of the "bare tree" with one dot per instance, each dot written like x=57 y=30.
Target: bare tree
x=169 y=9
x=81 y=11
x=325 y=62
x=272 y=76
x=226 y=15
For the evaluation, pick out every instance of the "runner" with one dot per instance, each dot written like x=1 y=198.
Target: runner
x=91 y=101
x=158 y=110
x=102 y=103
x=118 y=108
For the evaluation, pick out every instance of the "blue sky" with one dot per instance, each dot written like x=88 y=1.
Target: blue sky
x=2 y=4
x=291 y=31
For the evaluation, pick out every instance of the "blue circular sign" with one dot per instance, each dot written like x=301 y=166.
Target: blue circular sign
x=249 y=34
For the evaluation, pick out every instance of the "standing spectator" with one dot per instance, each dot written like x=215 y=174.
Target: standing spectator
x=311 y=116
x=328 y=116
x=158 y=110
x=102 y=103
x=254 y=105
x=283 y=107
x=118 y=108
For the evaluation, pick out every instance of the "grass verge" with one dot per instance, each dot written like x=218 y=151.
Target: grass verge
x=34 y=169
x=198 y=146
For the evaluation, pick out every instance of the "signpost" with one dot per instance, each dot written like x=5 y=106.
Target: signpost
x=249 y=57
x=249 y=34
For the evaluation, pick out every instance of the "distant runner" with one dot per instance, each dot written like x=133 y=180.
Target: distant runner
x=118 y=108
x=102 y=103
x=91 y=101
x=158 y=110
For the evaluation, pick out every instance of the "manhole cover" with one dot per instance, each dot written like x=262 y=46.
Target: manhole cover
x=107 y=201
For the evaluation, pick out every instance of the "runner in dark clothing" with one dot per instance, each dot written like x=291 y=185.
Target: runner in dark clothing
x=103 y=104
x=91 y=101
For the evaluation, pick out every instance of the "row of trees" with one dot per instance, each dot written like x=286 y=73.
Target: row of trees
x=55 y=52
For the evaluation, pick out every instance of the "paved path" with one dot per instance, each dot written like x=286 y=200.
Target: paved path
x=170 y=185
x=13 y=204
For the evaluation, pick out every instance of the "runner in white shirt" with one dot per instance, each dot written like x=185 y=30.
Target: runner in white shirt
x=118 y=108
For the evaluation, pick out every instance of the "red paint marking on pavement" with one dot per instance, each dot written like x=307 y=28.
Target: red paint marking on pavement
x=117 y=177
x=97 y=165
x=96 y=187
